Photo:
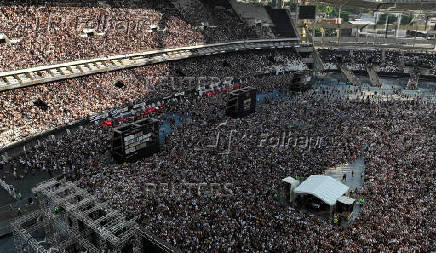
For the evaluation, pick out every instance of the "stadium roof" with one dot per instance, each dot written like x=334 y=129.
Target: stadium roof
x=361 y=22
x=325 y=188
x=346 y=200
x=386 y=5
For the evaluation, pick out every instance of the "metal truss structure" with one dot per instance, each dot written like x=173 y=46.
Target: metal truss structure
x=72 y=221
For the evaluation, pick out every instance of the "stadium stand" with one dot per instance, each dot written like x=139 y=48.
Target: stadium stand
x=79 y=98
x=233 y=204
x=282 y=23
x=391 y=64
x=51 y=33
x=241 y=213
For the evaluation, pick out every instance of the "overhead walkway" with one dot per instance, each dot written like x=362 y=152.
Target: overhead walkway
x=373 y=77
x=351 y=77
x=426 y=6
x=37 y=75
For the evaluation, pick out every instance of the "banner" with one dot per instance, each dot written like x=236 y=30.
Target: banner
x=204 y=90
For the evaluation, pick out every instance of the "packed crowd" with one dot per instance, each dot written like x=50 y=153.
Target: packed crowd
x=426 y=61
x=241 y=214
x=78 y=98
x=393 y=62
x=52 y=33
x=395 y=137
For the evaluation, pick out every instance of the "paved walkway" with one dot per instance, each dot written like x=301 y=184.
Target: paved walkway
x=353 y=172
x=354 y=180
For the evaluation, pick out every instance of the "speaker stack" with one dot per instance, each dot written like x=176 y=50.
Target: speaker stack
x=134 y=141
x=241 y=102
x=299 y=82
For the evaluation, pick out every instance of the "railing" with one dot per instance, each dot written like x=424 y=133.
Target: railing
x=43 y=74
x=408 y=44
x=9 y=188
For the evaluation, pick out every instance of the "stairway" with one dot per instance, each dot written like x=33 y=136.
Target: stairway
x=373 y=77
x=338 y=172
x=351 y=77
x=413 y=82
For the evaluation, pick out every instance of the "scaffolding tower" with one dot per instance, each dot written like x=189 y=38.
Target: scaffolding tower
x=71 y=220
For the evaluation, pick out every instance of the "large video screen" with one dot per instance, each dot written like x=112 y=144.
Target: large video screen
x=136 y=141
x=307 y=12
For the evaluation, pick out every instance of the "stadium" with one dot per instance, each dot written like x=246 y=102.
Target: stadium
x=217 y=126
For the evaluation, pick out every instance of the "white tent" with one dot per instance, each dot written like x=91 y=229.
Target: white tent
x=325 y=188
x=290 y=180
x=346 y=200
x=293 y=183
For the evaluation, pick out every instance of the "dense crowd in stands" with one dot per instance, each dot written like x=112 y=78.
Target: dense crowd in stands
x=74 y=99
x=395 y=137
x=394 y=61
x=52 y=33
